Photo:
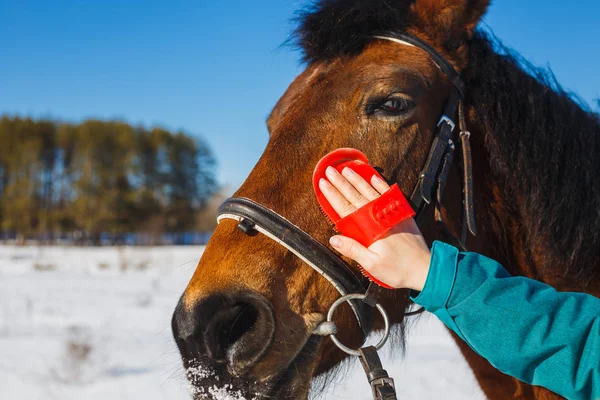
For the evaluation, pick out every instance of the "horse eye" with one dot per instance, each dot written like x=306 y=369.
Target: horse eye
x=390 y=106
x=396 y=105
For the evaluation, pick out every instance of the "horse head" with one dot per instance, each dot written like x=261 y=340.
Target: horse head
x=246 y=319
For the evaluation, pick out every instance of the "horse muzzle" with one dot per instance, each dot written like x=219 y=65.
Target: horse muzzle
x=222 y=340
x=229 y=331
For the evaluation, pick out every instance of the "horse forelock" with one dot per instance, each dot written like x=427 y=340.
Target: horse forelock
x=332 y=28
x=329 y=29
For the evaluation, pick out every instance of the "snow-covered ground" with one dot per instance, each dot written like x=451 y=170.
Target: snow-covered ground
x=94 y=323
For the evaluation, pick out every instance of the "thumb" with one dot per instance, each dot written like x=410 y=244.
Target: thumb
x=352 y=249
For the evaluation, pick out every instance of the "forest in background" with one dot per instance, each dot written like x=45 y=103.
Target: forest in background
x=101 y=177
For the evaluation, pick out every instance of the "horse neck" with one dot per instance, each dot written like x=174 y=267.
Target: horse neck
x=534 y=171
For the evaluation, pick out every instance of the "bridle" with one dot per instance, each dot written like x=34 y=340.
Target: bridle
x=253 y=217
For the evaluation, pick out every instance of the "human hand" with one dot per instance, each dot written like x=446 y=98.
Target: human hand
x=401 y=258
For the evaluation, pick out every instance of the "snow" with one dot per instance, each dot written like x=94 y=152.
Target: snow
x=94 y=323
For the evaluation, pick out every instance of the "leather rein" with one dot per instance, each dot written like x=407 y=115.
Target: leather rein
x=254 y=218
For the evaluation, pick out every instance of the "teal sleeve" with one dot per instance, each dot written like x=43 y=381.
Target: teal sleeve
x=523 y=327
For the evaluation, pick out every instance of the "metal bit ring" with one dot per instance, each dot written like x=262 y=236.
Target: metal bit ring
x=357 y=296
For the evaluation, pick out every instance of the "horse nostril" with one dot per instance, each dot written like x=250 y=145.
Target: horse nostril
x=227 y=329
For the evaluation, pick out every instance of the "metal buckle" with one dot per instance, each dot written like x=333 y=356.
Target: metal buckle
x=381 y=383
x=447 y=120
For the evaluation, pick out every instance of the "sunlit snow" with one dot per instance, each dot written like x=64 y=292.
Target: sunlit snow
x=94 y=323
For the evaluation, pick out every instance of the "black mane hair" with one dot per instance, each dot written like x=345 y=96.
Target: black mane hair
x=332 y=28
x=543 y=143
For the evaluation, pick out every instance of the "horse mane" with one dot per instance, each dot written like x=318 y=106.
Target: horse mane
x=544 y=146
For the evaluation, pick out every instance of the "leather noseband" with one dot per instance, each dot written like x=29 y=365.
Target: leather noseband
x=254 y=218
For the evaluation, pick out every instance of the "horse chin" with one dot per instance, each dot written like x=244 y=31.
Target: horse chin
x=294 y=382
x=208 y=383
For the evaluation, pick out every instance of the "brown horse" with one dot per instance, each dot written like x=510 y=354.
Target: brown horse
x=246 y=318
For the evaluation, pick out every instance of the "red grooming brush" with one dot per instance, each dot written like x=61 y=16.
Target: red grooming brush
x=370 y=222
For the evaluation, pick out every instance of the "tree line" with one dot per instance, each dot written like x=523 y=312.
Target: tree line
x=100 y=177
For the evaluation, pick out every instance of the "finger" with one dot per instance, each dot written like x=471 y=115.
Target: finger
x=338 y=202
x=363 y=187
x=379 y=184
x=354 y=250
x=345 y=188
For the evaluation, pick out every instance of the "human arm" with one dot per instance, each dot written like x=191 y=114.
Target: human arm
x=523 y=327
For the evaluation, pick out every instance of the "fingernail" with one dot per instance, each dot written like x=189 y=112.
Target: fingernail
x=331 y=170
x=347 y=171
x=323 y=182
x=378 y=179
x=335 y=242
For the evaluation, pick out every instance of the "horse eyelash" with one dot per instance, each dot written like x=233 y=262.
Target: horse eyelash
x=375 y=104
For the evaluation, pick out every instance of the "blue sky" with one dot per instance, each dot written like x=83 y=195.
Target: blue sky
x=216 y=68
